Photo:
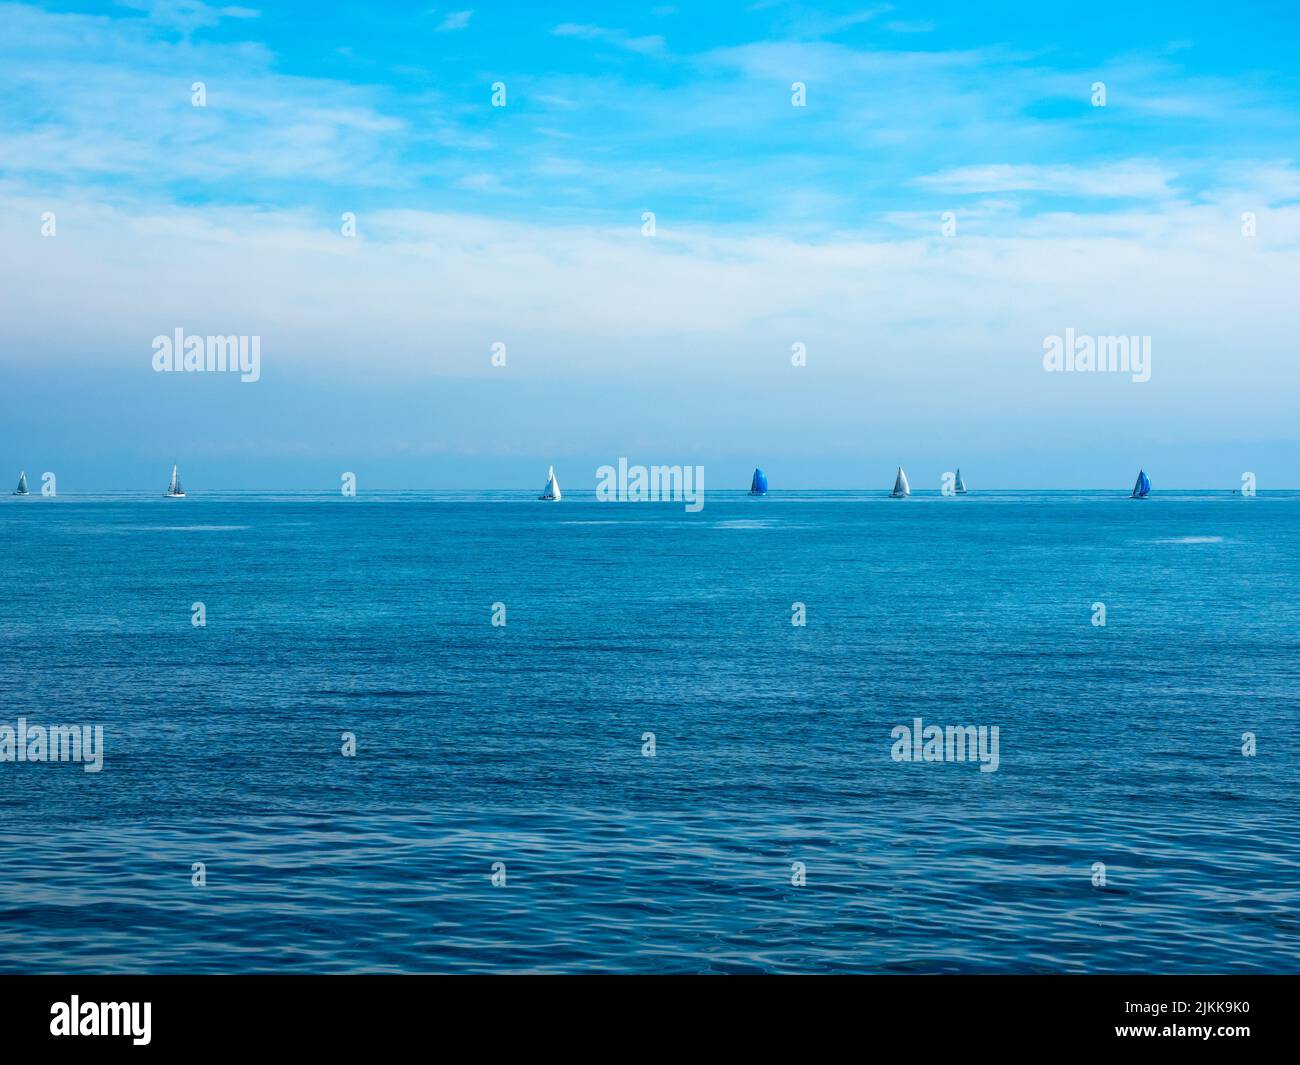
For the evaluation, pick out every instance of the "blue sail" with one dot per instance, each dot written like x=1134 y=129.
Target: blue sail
x=759 y=485
x=1143 y=487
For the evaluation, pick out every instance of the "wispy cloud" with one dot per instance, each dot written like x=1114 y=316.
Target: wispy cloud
x=188 y=15
x=1111 y=181
x=456 y=20
x=647 y=45
x=482 y=182
x=923 y=25
x=426 y=293
x=711 y=136
x=806 y=22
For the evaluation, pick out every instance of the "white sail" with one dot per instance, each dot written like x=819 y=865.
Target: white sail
x=174 y=489
x=901 y=489
x=552 y=489
x=21 y=490
x=960 y=487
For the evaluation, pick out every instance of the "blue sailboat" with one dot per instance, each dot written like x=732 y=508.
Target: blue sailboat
x=1143 y=487
x=758 y=487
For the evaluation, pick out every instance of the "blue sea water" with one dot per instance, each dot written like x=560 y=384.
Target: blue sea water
x=522 y=744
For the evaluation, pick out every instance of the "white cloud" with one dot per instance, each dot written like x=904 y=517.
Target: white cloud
x=806 y=23
x=456 y=20
x=911 y=25
x=188 y=15
x=258 y=123
x=418 y=290
x=647 y=45
x=1134 y=178
x=479 y=182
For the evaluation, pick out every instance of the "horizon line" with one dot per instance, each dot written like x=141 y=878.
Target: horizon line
x=579 y=494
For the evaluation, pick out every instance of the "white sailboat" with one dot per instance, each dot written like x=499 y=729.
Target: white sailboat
x=960 y=487
x=551 y=492
x=901 y=488
x=174 y=490
x=21 y=490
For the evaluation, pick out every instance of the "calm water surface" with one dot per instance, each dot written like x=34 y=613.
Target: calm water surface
x=522 y=744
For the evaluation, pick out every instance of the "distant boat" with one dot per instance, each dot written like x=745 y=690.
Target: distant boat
x=901 y=489
x=1143 y=487
x=758 y=487
x=552 y=490
x=21 y=490
x=960 y=487
x=174 y=490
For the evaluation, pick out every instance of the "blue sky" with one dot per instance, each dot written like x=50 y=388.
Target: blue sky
x=775 y=225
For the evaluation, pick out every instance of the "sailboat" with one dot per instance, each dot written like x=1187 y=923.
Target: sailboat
x=959 y=489
x=758 y=487
x=901 y=489
x=21 y=490
x=174 y=490
x=1143 y=487
x=552 y=490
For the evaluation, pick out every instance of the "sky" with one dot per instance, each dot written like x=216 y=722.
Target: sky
x=950 y=195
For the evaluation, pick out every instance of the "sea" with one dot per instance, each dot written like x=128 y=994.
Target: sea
x=475 y=732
